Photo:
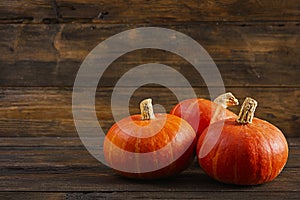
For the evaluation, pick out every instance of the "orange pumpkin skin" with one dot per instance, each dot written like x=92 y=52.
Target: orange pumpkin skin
x=175 y=129
x=248 y=154
x=190 y=110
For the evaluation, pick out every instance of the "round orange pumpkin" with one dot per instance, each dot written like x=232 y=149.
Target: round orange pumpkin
x=243 y=151
x=199 y=112
x=150 y=146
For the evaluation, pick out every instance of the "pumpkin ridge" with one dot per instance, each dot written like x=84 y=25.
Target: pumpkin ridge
x=270 y=158
x=259 y=154
x=260 y=132
x=237 y=152
x=111 y=146
x=215 y=159
x=154 y=153
x=124 y=135
x=257 y=157
x=190 y=107
x=137 y=150
x=170 y=140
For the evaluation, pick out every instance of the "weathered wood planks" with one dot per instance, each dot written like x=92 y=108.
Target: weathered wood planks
x=151 y=195
x=48 y=111
x=96 y=179
x=149 y=12
x=252 y=55
x=64 y=165
x=254 y=43
x=25 y=11
x=53 y=154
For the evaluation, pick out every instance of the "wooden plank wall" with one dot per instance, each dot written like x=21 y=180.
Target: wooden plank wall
x=255 y=44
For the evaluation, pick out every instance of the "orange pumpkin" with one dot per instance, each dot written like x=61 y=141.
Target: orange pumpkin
x=150 y=146
x=243 y=151
x=199 y=112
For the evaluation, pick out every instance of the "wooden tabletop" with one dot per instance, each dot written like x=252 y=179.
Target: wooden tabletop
x=255 y=44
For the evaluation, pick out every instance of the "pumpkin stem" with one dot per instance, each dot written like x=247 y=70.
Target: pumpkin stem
x=247 y=111
x=226 y=100
x=223 y=101
x=147 y=109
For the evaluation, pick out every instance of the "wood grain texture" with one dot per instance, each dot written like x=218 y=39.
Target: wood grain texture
x=149 y=12
x=48 y=111
x=259 y=54
x=155 y=11
x=55 y=154
x=25 y=11
x=255 y=44
x=98 y=179
x=149 y=195
x=63 y=164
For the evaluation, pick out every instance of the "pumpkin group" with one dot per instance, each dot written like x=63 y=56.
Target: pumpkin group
x=243 y=150
x=150 y=146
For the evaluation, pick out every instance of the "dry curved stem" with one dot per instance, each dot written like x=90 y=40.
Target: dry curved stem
x=224 y=101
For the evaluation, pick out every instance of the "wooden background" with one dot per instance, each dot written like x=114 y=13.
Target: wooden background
x=255 y=44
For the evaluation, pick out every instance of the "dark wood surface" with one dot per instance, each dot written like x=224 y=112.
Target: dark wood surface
x=251 y=54
x=255 y=44
x=47 y=111
x=150 y=11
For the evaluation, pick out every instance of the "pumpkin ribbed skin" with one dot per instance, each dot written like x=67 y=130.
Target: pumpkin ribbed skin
x=198 y=113
x=247 y=154
x=176 y=138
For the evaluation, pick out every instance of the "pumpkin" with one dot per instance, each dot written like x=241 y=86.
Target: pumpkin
x=243 y=150
x=199 y=112
x=150 y=146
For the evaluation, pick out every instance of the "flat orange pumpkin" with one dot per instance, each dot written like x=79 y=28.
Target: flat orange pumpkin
x=150 y=146
x=248 y=151
x=199 y=112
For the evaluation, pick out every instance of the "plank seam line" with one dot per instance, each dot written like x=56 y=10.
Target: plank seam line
x=60 y=20
x=150 y=191
x=70 y=87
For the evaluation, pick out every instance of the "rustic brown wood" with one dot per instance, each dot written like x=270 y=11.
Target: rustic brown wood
x=96 y=179
x=257 y=54
x=60 y=164
x=157 y=12
x=36 y=195
x=48 y=111
x=255 y=45
x=57 y=156
x=150 y=195
x=25 y=11
x=149 y=12
x=186 y=195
